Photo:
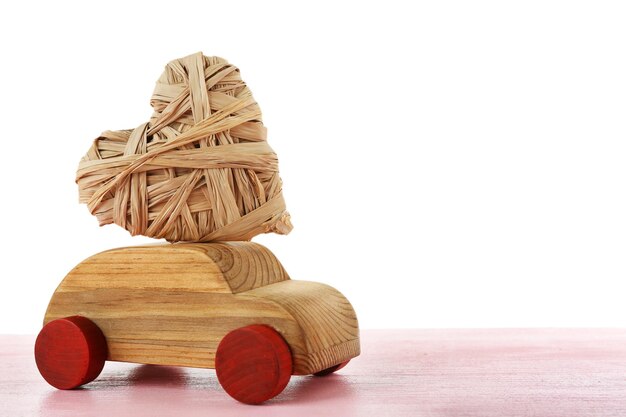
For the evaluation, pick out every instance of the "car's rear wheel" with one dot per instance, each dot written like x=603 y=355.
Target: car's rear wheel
x=253 y=364
x=70 y=352
x=332 y=369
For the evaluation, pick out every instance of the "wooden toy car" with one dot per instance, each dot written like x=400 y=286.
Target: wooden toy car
x=228 y=306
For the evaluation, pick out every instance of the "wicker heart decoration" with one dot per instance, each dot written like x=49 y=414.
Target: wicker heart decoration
x=199 y=170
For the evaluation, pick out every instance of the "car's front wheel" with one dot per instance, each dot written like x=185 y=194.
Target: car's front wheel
x=332 y=369
x=253 y=364
x=70 y=352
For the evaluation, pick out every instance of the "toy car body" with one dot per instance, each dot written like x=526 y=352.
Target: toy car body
x=174 y=304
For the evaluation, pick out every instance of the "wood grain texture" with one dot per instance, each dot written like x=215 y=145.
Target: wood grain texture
x=171 y=304
x=246 y=266
x=70 y=352
x=253 y=364
x=401 y=373
x=324 y=315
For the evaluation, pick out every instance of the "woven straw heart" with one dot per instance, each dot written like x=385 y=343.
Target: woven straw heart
x=199 y=170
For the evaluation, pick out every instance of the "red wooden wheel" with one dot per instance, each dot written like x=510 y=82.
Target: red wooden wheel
x=332 y=369
x=253 y=364
x=70 y=352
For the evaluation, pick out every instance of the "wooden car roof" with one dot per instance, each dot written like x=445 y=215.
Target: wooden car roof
x=231 y=267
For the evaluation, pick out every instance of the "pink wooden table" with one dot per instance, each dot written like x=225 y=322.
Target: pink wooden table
x=504 y=373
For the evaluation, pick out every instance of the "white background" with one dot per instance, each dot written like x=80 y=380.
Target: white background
x=446 y=164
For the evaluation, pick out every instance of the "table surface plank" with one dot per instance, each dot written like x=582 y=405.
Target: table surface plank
x=495 y=372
